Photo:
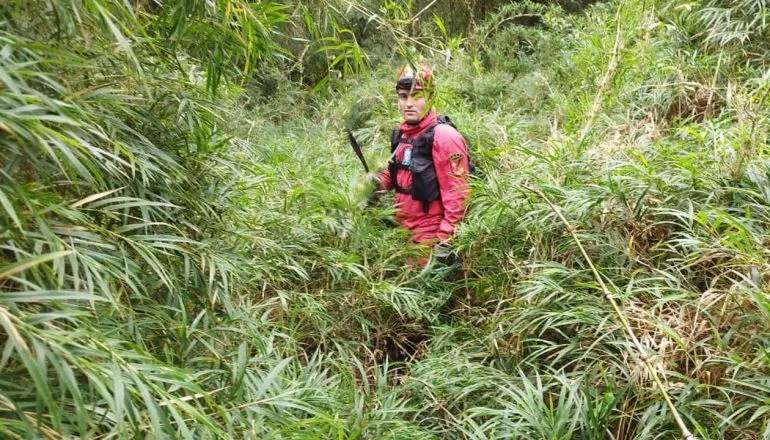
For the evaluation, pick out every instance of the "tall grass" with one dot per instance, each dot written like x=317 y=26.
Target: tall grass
x=187 y=248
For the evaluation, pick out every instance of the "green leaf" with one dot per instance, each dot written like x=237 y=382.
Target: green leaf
x=21 y=266
x=9 y=209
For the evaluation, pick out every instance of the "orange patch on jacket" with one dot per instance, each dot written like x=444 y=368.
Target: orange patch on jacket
x=456 y=164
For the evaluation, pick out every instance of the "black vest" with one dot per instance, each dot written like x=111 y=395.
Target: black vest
x=424 y=183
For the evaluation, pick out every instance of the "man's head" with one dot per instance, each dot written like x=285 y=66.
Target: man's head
x=415 y=90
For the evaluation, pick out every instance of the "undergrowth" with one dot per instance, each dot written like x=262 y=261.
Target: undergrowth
x=188 y=250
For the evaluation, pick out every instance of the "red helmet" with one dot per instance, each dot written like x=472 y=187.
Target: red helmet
x=422 y=79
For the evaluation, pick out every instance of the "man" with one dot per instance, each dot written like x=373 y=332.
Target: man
x=428 y=167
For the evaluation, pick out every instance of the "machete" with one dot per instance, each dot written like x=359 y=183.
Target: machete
x=357 y=150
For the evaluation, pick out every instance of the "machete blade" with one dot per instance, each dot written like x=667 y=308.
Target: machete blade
x=357 y=150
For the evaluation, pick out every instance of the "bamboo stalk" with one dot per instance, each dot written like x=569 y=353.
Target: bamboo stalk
x=612 y=65
x=643 y=354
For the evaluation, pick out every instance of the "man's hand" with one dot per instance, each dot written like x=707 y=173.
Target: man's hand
x=373 y=179
x=441 y=249
x=442 y=253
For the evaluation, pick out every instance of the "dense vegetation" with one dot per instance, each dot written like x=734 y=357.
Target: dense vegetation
x=186 y=249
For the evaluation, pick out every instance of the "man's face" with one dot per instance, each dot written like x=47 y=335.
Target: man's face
x=413 y=105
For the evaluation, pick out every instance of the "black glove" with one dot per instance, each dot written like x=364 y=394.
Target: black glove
x=442 y=253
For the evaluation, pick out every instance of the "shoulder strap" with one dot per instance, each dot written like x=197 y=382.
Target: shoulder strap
x=443 y=119
x=394 y=139
x=393 y=166
x=425 y=140
x=428 y=133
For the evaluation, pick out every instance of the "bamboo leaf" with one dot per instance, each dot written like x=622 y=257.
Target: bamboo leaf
x=21 y=266
x=94 y=197
x=9 y=209
x=48 y=295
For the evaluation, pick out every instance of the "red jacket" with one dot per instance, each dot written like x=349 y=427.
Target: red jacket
x=450 y=158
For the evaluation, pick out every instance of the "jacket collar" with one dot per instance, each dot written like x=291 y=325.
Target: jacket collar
x=413 y=130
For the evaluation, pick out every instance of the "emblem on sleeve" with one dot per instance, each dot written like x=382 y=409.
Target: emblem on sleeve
x=456 y=164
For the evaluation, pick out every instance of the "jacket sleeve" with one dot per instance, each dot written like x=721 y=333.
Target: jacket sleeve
x=385 y=180
x=450 y=157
